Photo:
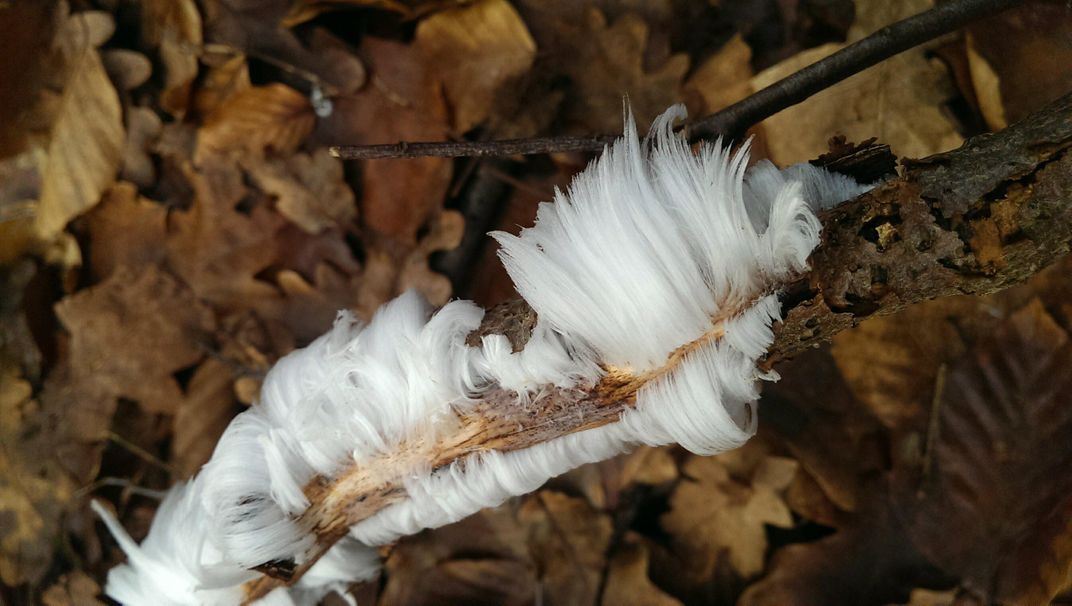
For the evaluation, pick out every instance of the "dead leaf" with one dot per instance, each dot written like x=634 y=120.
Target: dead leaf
x=900 y=101
x=126 y=230
x=308 y=189
x=609 y=67
x=202 y=415
x=568 y=540
x=890 y=362
x=218 y=246
x=994 y=501
x=173 y=28
x=627 y=577
x=74 y=589
x=445 y=234
x=132 y=332
x=86 y=145
x=33 y=491
x=1020 y=60
x=723 y=79
x=224 y=77
x=715 y=513
x=475 y=51
x=273 y=117
x=403 y=103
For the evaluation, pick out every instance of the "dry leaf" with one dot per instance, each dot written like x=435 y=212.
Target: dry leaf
x=202 y=415
x=218 y=249
x=224 y=77
x=568 y=541
x=891 y=362
x=475 y=51
x=173 y=27
x=1020 y=60
x=404 y=103
x=86 y=145
x=74 y=589
x=125 y=229
x=257 y=119
x=126 y=68
x=713 y=514
x=33 y=491
x=627 y=577
x=132 y=332
x=995 y=498
x=445 y=234
x=308 y=189
x=900 y=101
x=723 y=79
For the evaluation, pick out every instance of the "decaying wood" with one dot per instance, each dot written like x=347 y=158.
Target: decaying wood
x=974 y=220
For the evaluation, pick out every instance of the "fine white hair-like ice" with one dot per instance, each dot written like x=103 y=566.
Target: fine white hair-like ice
x=654 y=250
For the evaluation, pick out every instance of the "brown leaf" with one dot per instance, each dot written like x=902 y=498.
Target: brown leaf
x=475 y=51
x=901 y=100
x=627 y=577
x=404 y=103
x=719 y=510
x=127 y=69
x=890 y=362
x=445 y=234
x=568 y=540
x=609 y=66
x=421 y=568
x=1020 y=60
x=257 y=119
x=309 y=189
x=724 y=78
x=995 y=500
x=86 y=145
x=33 y=490
x=130 y=333
x=125 y=229
x=74 y=589
x=217 y=249
x=224 y=77
x=202 y=415
x=173 y=27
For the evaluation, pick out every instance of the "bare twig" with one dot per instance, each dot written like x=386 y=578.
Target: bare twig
x=931 y=253
x=732 y=121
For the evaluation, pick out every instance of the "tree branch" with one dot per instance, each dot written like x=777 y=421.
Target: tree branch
x=734 y=120
x=974 y=220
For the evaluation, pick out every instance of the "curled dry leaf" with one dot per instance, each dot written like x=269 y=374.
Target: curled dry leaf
x=474 y=51
x=901 y=100
x=85 y=148
x=144 y=127
x=273 y=117
x=446 y=233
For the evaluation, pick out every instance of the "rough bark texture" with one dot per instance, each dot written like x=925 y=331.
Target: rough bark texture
x=974 y=220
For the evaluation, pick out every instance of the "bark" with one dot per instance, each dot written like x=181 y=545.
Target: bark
x=974 y=220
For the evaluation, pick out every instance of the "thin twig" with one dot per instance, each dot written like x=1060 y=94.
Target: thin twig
x=732 y=121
